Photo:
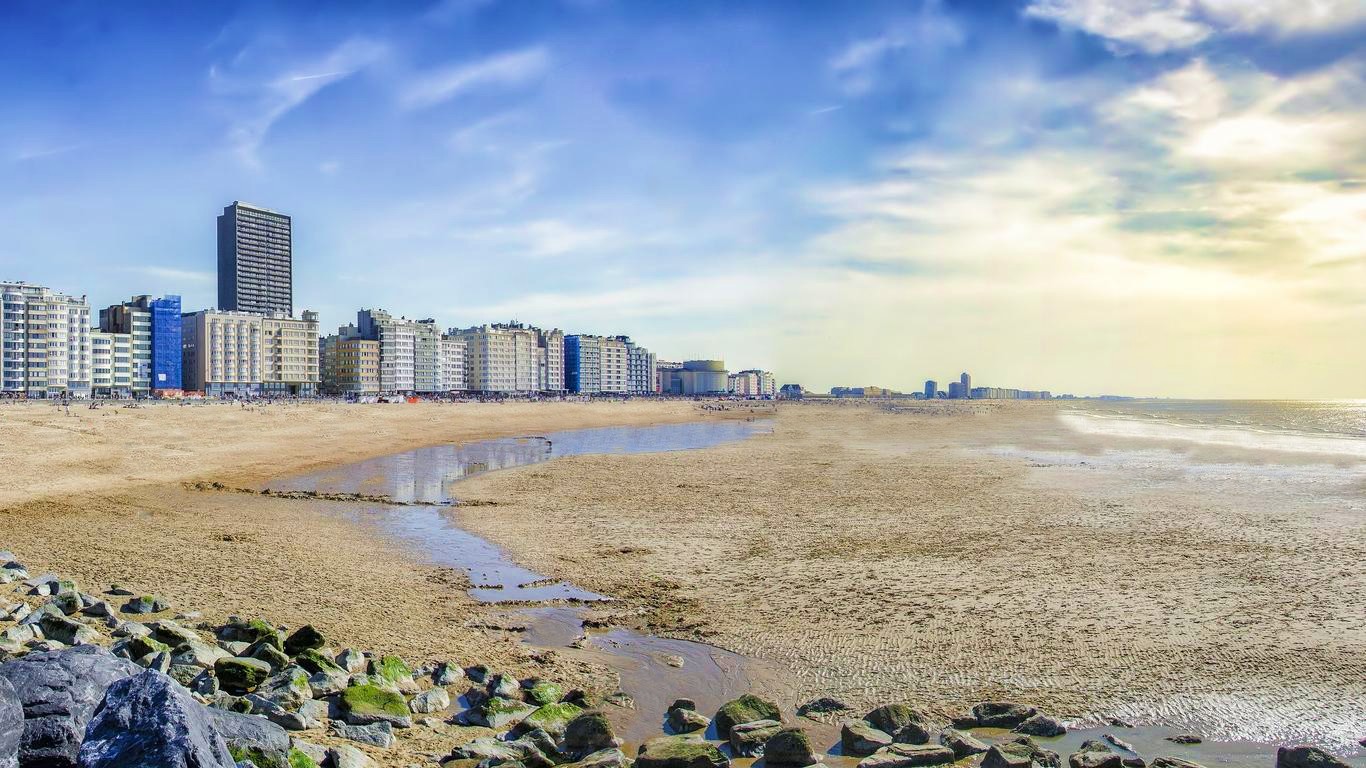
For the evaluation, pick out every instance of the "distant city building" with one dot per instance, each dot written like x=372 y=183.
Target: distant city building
x=155 y=328
x=44 y=342
x=931 y=389
x=513 y=358
x=703 y=377
x=965 y=382
x=863 y=392
x=956 y=390
x=597 y=364
x=255 y=260
x=246 y=353
x=641 y=366
x=791 y=392
x=999 y=393
x=111 y=364
x=668 y=377
x=350 y=365
x=397 y=337
x=752 y=383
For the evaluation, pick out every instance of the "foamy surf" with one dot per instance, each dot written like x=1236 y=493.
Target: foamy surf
x=1250 y=438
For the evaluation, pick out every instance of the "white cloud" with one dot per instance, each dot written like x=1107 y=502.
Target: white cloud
x=174 y=275
x=1159 y=26
x=511 y=68
x=1151 y=26
x=257 y=107
x=856 y=68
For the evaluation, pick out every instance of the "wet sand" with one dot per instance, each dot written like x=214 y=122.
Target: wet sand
x=946 y=555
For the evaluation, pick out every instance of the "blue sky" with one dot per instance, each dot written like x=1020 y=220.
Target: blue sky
x=1160 y=197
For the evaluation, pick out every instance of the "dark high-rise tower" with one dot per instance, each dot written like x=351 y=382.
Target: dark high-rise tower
x=255 y=260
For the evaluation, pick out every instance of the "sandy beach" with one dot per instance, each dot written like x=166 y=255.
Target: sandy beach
x=946 y=555
x=942 y=554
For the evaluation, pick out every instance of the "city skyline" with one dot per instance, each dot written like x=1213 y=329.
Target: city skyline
x=1160 y=199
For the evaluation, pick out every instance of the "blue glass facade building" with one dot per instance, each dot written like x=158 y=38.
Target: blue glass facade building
x=166 y=351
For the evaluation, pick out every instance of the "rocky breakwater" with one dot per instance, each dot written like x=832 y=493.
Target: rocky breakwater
x=114 y=680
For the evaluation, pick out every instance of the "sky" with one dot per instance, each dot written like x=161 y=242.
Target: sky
x=1156 y=197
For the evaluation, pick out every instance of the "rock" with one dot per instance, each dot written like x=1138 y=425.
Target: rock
x=1094 y=754
x=1118 y=742
x=237 y=630
x=267 y=650
x=908 y=756
x=498 y=713
x=551 y=718
x=290 y=721
x=149 y=720
x=587 y=733
x=66 y=631
x=59 y=692
x=172 y=634
x=478 y=673
x=393 y=671
x=11 y=725
x=822 y=706
x=289 y=688
x=1185 y=738
x=252 y=737
x=315 y=752
x=789 y=747
x=542 y=692
x=137 y=647
x=746 y=709
x=305 y=638
x=199 y=654
x=67 y=602
x=1020 y=752
x=239 y=675
x=1040 y=725
x=378 y=734
x=749 y=739
x=996 y=714
x=530 y=752
x=352 y=661
x=317 y=663
x=1306 y=757
x=1172 y=762
x=146 y=604
x=315 y=710
x=620 y=699
x=687 y=721
x=328 y=683
x=161 y=662
x=890 y=718
x=365 y=704
x=427 y=702
x=607 y=758
x=859 y=739
x=962 y=744
x=504 y=686
x=447 y=673
x=688 y=704
x=343 y=756
x=680 y=752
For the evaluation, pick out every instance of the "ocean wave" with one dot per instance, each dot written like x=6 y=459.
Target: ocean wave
x=1231 y=437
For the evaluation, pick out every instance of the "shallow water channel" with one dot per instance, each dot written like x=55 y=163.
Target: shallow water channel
x=654 y=671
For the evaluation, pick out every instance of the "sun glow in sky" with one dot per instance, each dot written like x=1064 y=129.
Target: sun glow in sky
x=1162 y=197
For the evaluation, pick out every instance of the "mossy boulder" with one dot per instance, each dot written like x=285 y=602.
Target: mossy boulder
x=746 y=709
x=497 y=712
x=146 y=604
x=749 y=739
x=392 y=670
x=551 y=718
x=366 y=704
x=257 y=757
x=587 y=733
x=315 y=662
x=138 y=647
x=268 y=650
x=680 y=752
x=247 y=631
x=288 y=688
x=789 y=747
x=542 y=692
x=238 y=675
x=304 y=638
x=908 y=756
x=300 y=759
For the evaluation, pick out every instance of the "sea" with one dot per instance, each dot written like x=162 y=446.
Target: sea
x=1325 y=427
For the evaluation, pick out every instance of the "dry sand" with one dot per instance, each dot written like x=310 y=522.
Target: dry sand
x=880 y=556
x=98 y=496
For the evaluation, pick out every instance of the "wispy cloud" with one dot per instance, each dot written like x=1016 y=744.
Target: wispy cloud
x=173 y=275
x=1159 y=26
x=257 y=105
x=510 y=68
x=858 y=67
x=39 y=151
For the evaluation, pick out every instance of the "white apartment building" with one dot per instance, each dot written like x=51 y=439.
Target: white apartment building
x=511 y=358
x=44 y=342
x=397 y=337
x=597 y=364
x=289 y=354
x=752 y=383
x=111 y=364
x=221 y=352
x=453 y=371
x=641 y=364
